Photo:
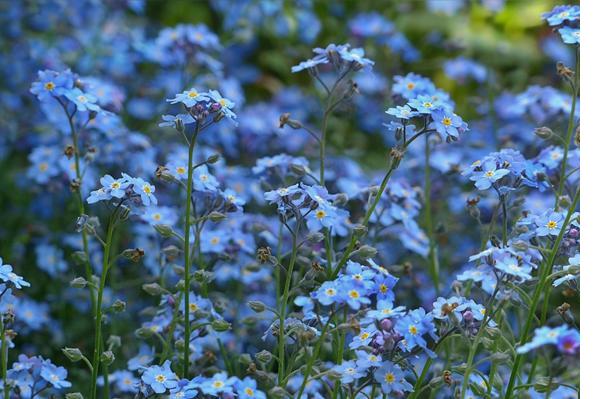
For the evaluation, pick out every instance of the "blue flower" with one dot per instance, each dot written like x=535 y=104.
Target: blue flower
x=544 y=336
x=549 y=224
x=56 y=376
x=52 y=84
x=189 y=98
x=356 y=55
x=218 y=384
x=349 y=371
x=145 y=190
x=160 y=378
x=424 y=104
x=246 y=389
x=7 y=275
x=83 y=101
x=414 y=326
x=570 y=35
x=391 y=378
x=487 y=175
x=560 y=14
x=225 y=105
x=448 y=124
x=308 y=64
x=366 y=360
x=328 y=293
x=172 y=120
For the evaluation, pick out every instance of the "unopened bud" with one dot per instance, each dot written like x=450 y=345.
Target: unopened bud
x=153 y=289
x=216 y=216
x=107 y=357
x=257 y=306
x=213 y=159
x=543 y=132
x=164 y=230
x=220 y=325
x=78 y=282
x=73 y=354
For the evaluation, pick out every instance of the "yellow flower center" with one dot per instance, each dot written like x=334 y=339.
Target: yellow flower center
x=410 y=85
x=193 y=94
x=551 y=224
x=180 y=170
x=156 y=216
x=353 y=294
x=383 y=288
x=389 y=378
x=115 y=185
x=427 y=104
x=160 y=378
x=489 y=173
x=49 y=86
x=147 y=189
x=193 y=307
x=321 y=214
x=43 y=167
x=222 y=102
x=364 y=336
x=218 y=384
x=330 y=292
x=249 y=391
x=214 y=240
x=82 y=99
x=446 y=121
x=412 y=329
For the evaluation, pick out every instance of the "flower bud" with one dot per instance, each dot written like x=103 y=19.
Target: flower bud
x=366 y=252
x=164 y=230
x=73 y=354
x=315 y=237
x=216 y=216
x=220 y=325
x=543 y=132
x=153 y=289
x=298 y=170
x=144 y=332
x=107 y=358
x=134 y=255
x=387 y=325
x=78 y=282
x=114 y=341
x=257 y=306
x=264 y=356
x=213 y=159
x=74 y=395
x=278 y=393
x=118 y=306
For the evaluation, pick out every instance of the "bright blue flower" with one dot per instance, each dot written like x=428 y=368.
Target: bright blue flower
x=545 y=336
x=391 y=378
x=349 y=371
x=160 y=378
x=83 y=101
x=560 y=14
x=366 y=360
x=55 y=375
x=414 y=326
x=172 y=120
x=7 y=275
x=189 y=98
x=52 y=84
x=570 y=35
x=246 y=389
x=448 y=124
x=219 y=383
x=488 y=174
x=145 y=190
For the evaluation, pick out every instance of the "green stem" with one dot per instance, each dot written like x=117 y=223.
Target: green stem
x=544 y=273
x=4 y=358
x=570 y=129
x=186 y=249
x=433 y=263
x=312 y=359
x=98 y=314
x=283 y=307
